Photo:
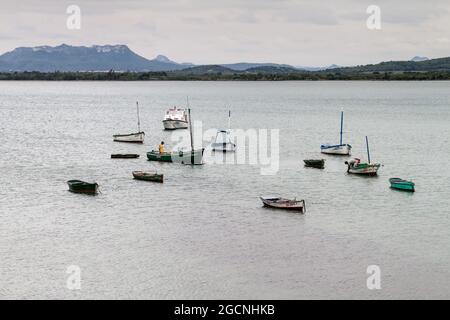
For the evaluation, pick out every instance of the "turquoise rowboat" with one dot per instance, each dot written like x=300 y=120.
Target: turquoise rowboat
x=400 y=184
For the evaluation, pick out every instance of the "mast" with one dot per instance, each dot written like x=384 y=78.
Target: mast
x=190 y=130
x=139 y=120
x=191 y=135
x=229 y=120
x=342 y=125
x=368 y=151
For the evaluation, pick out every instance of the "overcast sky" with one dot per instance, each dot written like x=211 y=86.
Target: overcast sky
x=297 y=32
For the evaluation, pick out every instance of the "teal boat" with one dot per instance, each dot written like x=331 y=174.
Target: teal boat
x=400 y=184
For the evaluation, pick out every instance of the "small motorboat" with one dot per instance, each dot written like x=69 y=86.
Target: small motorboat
x=282 y=203
x=223 y=141
x=125 y=156
x=400 y=184
x=175 y=118
x=78 y=186
x=319 y=164
x=148 y=176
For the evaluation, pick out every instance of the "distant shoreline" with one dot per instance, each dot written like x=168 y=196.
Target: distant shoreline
x=175 y=76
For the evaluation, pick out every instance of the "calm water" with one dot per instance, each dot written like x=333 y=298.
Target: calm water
x=203 y=233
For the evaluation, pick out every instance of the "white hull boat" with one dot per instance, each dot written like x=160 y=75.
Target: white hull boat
x=343 y=150
x=340 y=149
x=175 y=124
x=137 y=137
x=130 y=138
x=175 y=118
x=223 y=147
x=223 y=141
x=284 y=204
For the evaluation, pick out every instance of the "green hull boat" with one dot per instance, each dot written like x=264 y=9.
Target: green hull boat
x=184 y=157
x=78 y=186
x=400 y=184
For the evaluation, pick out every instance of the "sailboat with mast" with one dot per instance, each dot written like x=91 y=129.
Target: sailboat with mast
x=357 y=167
x=192 y=157
x=223 y=141
x=337 y=149
x=137 y=137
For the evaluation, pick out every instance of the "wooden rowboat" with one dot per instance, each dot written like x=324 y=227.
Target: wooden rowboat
x=285 y=204
x=400 y=184
x=319 y=164
x=148 y=176
x=125 y=156
x=78 y=186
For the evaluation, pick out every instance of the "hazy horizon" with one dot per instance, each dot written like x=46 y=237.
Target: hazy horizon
x=298 y=33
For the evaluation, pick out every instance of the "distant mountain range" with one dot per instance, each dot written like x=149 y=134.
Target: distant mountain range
x=66 y=58
x=95 y=58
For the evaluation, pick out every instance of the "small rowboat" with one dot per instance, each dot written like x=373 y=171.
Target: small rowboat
x=400 y=184
x=286 y=204
x=130 y=138
x=125 y=156
x=366 y=169
x=78 y=186
x=319 y=164
x=148 y=176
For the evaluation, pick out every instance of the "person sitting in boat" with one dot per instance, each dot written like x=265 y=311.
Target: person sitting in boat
x=161 y=147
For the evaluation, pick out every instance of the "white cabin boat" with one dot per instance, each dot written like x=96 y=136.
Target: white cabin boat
x=337 y=149
x=137 y=137
x=175 y=118
x=223 y=141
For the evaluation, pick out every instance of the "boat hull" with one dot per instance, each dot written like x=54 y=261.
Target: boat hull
x=151 y=177
x=175 y=124
x=77 y=186
x=124 y=156
x=341 y=150
x=130 y=138
x=190 y=157
x=284 y=204
x=223 y=147
x=364 y=169
x=402 y=185
x=318 y=164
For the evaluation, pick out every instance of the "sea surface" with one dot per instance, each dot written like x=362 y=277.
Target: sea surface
x=204 y=233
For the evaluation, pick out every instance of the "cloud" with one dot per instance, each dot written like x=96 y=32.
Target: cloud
x=299 y=32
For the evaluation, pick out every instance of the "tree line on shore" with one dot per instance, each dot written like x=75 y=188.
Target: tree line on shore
x=238 y=76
